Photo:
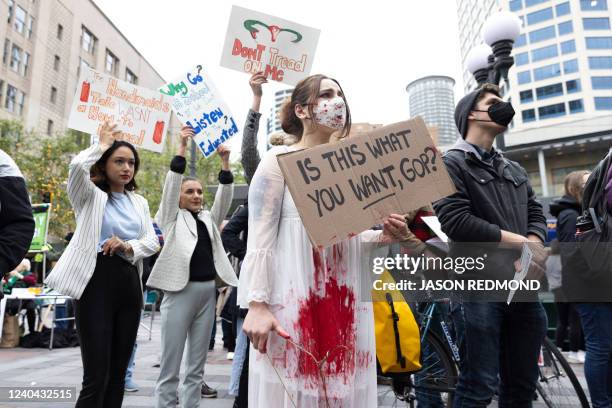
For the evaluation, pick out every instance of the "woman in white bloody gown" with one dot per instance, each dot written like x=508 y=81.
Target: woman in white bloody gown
x=305 y=303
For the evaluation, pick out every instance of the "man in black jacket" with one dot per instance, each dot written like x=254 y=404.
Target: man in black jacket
x=16 y=220
x=494 y=208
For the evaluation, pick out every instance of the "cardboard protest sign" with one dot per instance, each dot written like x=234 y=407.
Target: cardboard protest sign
x=143 y=115
x=198 y=104
x=341 y=189
x=255 y=41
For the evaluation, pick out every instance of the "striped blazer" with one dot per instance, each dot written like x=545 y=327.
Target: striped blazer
x=171 y=270
x=76 y=265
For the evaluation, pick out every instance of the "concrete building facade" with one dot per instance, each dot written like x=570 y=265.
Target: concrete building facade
x=46 y=43
x=560 y=85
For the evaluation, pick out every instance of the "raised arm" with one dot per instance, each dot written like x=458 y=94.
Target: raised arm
x=249 y=153
x=171 y=194
x=80 y=186
x=225 y=191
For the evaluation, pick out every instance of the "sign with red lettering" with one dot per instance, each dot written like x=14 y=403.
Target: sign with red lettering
x=282 y=49
x=143 y=115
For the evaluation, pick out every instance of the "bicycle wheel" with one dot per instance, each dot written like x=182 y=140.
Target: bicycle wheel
x=434 y=384
x=558 y=385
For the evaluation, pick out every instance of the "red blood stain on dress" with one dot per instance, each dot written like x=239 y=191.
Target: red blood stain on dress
x=326 y=324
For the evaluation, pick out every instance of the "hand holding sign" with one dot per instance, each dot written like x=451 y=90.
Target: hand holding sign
x=108 y=135
x=224 y=153
x=257 y=79
x=394 y=229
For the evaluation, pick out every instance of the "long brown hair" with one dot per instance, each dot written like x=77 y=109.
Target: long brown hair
x=97 y=172
x=306 y=93
x=573 y=184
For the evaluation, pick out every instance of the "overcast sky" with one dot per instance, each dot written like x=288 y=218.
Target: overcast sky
x=373 y=48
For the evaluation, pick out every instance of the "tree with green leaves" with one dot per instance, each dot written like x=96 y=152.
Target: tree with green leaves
x=44 y=162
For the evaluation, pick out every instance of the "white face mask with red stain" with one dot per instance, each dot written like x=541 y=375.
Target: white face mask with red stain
x=330 y=112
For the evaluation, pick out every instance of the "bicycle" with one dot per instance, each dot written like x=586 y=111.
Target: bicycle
x=435 y=382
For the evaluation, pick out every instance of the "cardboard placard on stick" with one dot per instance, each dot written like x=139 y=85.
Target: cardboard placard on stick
x=341 y=189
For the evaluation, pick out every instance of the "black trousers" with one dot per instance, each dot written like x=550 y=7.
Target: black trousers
x=107 y=319
x=568 y=322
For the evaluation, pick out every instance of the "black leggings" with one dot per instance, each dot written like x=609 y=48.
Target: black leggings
x=107 y=318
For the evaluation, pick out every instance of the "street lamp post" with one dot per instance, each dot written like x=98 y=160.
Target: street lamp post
x=490 y=61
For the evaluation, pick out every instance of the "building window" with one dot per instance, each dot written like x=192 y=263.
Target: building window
x=56 y=63
x=25 y=64
x=14 y=100
x=565 y=28
x=30 y=28
x=544 y=53
x=529 y=3
x=130 y=77
x=522 y=58
x=567 y=47
x=600 y=62
x=1 y=91
x=19 y=21
x=53 y=97
x=572 y=86
x=49 y=127
x=551 y=111
x=516 y=5
x=82 y=65
x=524 y=77
x=16 y=58
x=576 y=106
x=528 y=115
x=11 y=98
x=545 y=72
x=601 y=82
x=599 y=43
x=60 y=32
x=562 y=9
x=542 y=34
x=11 y=7
x=596 y=23
x=7 y=48
x=601 y=102
x=539 y=16
x=88 y=40
x=112 y=63
x=588 y=5
x=526 y=96
x=571 y=66
x=549 y=91
x=521 y=40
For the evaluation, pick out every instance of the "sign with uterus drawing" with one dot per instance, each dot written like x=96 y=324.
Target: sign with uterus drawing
x=282 y=49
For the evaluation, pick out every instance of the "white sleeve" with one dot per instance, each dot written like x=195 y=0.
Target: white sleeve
x=259 y=269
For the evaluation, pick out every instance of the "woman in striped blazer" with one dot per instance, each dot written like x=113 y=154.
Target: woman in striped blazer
x=102 y=265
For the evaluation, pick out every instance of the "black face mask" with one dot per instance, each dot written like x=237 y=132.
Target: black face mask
x=500 y=113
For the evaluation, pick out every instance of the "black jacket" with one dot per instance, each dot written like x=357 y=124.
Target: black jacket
x=566 y=210
x=16 y=219
x=491 y=196
x=586 y=284
x=233 y=242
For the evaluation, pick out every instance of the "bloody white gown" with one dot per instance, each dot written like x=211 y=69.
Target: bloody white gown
x=316 y=296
